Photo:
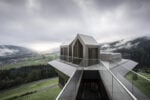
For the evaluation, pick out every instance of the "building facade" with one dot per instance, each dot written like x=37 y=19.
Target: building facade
x=82 y=50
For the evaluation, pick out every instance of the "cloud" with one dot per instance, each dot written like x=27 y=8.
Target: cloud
x=28 y=22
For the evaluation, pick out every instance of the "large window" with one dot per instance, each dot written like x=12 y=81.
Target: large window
x=93 y=56
x=77 y=52
x=61 y=51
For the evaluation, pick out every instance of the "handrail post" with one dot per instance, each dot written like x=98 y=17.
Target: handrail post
x=112 y=87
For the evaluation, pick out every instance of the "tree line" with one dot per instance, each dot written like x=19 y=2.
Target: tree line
x=139 y=53
x=17 y=76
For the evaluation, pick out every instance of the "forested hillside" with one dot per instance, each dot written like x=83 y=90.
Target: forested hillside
x=137 y=49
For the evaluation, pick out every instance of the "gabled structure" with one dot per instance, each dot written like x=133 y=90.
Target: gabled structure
x=83 y=47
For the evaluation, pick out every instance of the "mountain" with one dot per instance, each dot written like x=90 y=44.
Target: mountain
x=10 y=53
x=137 y=49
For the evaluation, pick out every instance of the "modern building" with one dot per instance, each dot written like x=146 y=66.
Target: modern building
x=83 y=47
x=85 y=73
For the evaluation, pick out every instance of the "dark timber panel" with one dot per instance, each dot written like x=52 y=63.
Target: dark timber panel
x=93 y=56
x=61 y=51
x=70 y=52
x=77 y=52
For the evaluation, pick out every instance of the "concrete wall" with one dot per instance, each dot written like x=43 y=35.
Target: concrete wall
x=62 y=78
x=110 y=56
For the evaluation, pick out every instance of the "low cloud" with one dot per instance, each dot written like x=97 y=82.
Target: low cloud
x=28 y=22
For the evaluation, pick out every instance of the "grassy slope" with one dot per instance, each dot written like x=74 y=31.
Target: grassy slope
x=140 y=83
x=49 y=94
x=29 y=61
x=32 y=87
x=145 y=74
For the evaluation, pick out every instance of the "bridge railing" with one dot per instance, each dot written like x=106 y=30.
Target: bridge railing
x=115 y=89
x=136 y=82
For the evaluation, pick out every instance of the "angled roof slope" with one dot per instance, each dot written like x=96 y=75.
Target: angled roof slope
x=88 y=40
x=63 y=67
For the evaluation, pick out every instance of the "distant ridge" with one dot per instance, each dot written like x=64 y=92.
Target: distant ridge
x=137 y=49
x=11 y=52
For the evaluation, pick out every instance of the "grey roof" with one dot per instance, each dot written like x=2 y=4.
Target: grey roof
x=69 y=69
x=88 y=40
x=110 y=53
x=124 y=67
x=127 y=63
x=62 y=67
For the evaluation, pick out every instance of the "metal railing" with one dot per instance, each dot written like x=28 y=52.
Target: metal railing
x=138 y=84
x=115 y=89
x=80 y=61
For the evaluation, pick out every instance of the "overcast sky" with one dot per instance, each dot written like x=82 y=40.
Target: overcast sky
x=47 y=23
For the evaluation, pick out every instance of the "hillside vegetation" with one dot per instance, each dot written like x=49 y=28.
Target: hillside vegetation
x=17 y=76
x=29 y=61
x=137 y=49
x=46 y=89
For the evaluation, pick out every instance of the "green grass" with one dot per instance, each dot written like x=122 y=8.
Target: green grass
x=142 y=84
x=34 y=86
x=147 y=75
x=29 y=62
x=49 y=94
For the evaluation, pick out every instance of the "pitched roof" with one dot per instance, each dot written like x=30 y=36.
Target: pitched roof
x=88 y=40
x=63 y=67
